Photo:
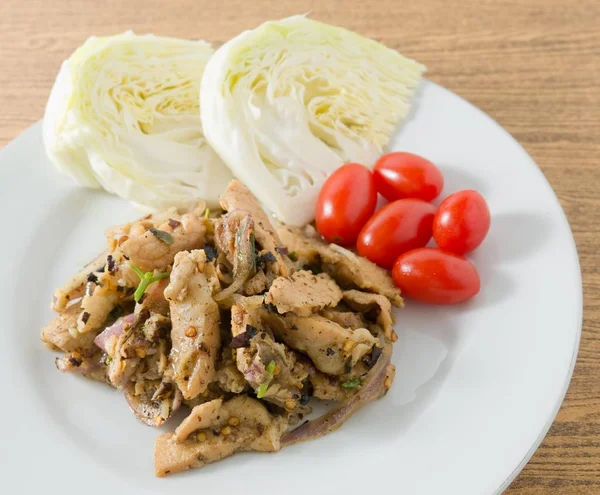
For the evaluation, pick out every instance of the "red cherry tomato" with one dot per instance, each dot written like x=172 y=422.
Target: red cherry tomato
x=405 y=175
x=396 y=228
x=435 y=276
x=461 y=222
x=346 y=201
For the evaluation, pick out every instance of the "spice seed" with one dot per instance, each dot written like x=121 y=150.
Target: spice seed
x=348 y=345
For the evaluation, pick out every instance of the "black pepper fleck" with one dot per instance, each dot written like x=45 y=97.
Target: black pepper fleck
x=271 y=307
x=371 y=359
x=75 y=362
x=243 y=339
x=211 y=253
x=111 y=264
x=262 y=260
x=116 y=312
x=348 y=365
x=373 y=314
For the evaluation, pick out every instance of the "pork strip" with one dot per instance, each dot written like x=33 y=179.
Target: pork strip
x=241 y=424
x=61 y=333
x=375 y=304
x=195 y=319
x=345 y=267
x=275 y=372
x=238 y=197
x=152 y=242
x=303 y=293
x=332 y=348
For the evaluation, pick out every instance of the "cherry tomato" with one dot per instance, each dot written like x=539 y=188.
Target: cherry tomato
x=461 y=222
x=405 y=175
x=346 y=201
x=396 y=228
x=435 y=276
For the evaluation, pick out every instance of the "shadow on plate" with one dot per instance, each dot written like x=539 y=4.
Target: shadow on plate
x=512 y=237
x=496 y=287
x=456 y=179
x=428 y=344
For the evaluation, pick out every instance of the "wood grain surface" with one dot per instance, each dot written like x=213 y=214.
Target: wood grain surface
x=533 y=65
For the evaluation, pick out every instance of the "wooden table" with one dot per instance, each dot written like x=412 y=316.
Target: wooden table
x=533 y=65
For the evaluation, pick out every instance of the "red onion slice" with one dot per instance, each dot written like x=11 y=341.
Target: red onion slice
x=372 y=388
x=115 y=329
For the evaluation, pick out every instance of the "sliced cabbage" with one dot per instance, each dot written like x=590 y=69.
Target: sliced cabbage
x=287 y=103
x=124 y=115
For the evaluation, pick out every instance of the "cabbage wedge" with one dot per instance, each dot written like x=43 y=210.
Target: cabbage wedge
x=124 y=115
x=287 y=103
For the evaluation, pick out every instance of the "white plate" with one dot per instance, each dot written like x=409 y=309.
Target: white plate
x=477 y=385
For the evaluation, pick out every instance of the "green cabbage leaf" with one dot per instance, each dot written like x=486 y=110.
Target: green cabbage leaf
x=287 y=103
x=124 y=115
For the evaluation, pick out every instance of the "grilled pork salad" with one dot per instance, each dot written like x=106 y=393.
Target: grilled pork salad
x=242 y=323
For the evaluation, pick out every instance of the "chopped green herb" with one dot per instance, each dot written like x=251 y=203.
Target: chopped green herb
x=162 y=235
x=351 y=384
x=146 y=279
x=261 y=390
x=293 y=256
x=137 y=271
x=206 y=212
